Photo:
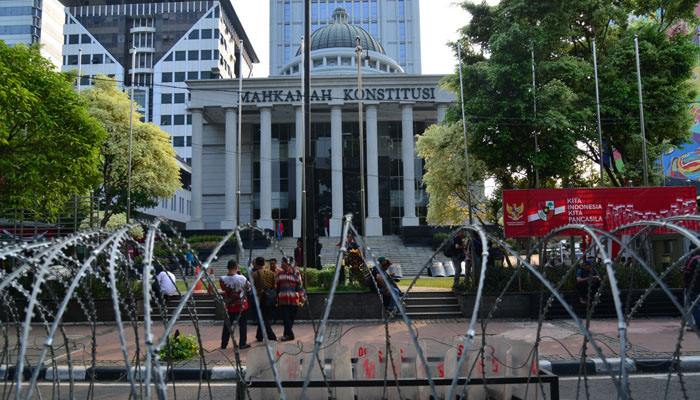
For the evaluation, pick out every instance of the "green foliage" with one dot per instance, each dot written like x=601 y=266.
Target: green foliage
x=49 y=145
x=628 y=277
x=208 y=238
x=501 y=120
x=351 y=287
x=154 y=174
x=182 y=348
x=441 y=235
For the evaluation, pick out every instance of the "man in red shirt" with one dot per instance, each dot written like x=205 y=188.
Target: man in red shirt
x=290 y=296
x=235 y=289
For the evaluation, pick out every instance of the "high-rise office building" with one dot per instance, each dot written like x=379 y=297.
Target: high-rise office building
x=174 y=41
x=34 y=21
x=394 y=23
x=168 y=42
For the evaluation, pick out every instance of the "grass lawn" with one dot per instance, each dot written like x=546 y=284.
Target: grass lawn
x=445 y=283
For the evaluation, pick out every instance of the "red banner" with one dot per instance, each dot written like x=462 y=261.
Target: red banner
x=535 y=212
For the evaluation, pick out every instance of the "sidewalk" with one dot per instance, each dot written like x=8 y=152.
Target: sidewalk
x=651 y=340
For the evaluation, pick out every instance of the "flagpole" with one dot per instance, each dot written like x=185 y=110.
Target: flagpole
x=641 y=111
x=597 y=104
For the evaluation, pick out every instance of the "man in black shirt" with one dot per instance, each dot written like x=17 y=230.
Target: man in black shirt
x=587 y=281
x=457 y=255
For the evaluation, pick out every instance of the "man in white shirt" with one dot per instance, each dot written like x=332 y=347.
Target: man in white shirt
x=166 y=280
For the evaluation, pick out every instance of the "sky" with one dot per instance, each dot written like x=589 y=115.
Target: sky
x=439 y=22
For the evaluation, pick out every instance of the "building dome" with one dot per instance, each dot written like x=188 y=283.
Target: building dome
x=342 y=34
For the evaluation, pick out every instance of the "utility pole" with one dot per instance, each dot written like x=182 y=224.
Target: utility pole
x=239 y=145
x=641 y=111
x=534 y=108
x=358 y=52
x=597 y=104
x=309 y=217
x=131 y=133
x=80 y=67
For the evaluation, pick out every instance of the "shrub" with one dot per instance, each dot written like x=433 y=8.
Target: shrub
x=182 y=348
x=441 y=235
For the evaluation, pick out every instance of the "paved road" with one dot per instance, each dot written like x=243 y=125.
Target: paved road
x=645 y=386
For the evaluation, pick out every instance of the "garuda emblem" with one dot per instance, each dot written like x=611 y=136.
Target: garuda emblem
x=515 y=211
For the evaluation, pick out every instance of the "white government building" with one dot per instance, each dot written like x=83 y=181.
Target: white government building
x=397 y=106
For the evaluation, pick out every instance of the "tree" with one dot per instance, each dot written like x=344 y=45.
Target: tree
x=442 y=149
x=154 y=171
x=499 y=96
x=49 y=144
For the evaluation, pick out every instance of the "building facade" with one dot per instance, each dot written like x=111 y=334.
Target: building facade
x=397 y=106
x=394 y=23
x=34 y=21
x=174 y=41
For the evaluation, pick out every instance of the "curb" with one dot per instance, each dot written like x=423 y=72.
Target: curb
x=594 y=366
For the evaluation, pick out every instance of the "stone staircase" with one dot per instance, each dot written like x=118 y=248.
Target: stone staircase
x=204 y=303
x=432 y=305
x=411 y=259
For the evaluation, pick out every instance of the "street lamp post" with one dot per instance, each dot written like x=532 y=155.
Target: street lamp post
x=238 y=156
x=131 y=133
x=358 y=52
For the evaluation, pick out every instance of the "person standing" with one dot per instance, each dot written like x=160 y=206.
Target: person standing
x=192 y=262
x=325 y=226
x=279 y=230
x=291 y=296
x=349 y=245
x=457 y=255
x=587 y=281
x=297 y=254
x=235 y=289
x=266 y=289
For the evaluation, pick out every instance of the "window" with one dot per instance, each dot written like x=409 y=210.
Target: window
x=324 y=13
x=167 y=77
x=365 y=9
x=178 y=98
x=216 y=12
x=189 y=144
x=287 y=12
x=73 y=60
x=356 y=11
x=166 y=98
x=194 y=34
x=402 y=53
x=193 y=55
x=216 y=54
x=165 y=120
x=179 y=119
x=286 y=54
x=193 y=75
x=206 y=55
x=179 y=141
x=287 y=35
x=97 y=58
x=373 y=9
x=373 y=29
x=85 y=59
x=169 y=57
x=206 y=33
x=73 y=39
x=402 y=11
x=314 y=11
x=180 y=56
x=85 y=39
x=179 y=77
x=216 y=33
x=402 y=31
x=85 y=80
x=205 y=75
x=189 y=119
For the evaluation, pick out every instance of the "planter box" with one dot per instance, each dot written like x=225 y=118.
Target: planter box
x=104 y=310
x=522 y=305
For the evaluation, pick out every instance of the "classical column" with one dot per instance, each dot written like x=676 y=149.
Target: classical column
x=335 y=224
x=230 y=169
x=408 y=158
x=265 y=220
x=196 y=221
x=299 y=153
x=441 y=111
x=373 y=222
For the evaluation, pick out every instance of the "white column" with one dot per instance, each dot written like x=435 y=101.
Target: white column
x=373 y=222
x=196 y=221
x=230 y=169
x=299 y=153
x=265 y=194
x=408 y=158
x=441 y=111
x=335 y=223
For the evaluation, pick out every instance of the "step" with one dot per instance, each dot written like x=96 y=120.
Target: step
x=433 y=308
x=434 y=315
x=430 y=300
x=414 y=294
